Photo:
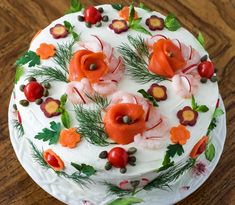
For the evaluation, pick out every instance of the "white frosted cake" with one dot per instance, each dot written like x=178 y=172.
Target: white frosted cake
x=116 y=100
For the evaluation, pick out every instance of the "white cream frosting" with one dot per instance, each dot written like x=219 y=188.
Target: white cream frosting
x=34 y=120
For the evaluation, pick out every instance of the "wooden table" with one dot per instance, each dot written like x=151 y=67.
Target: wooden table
x=21 y=19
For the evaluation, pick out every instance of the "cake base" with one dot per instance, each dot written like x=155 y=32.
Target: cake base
x=67 y=192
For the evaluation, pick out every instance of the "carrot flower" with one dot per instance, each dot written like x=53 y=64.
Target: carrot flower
x=125 y=13
x=53 y=160
x=46 y=51
x=199 y=147
x=179 y=135
x=69 y=137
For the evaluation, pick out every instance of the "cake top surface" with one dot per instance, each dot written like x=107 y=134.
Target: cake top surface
x=146 y=100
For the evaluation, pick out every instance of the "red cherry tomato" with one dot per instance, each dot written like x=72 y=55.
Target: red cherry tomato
x=51 y=160
x=33 y=91
x=118 y=157
x=92 y=15
x=202 y=148
x=19 y=117
x=206 y=69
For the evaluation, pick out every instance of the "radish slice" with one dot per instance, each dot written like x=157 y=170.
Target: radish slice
x=101 y=44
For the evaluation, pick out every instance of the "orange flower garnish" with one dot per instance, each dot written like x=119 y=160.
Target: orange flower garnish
x=69 y=138
x=199 y=147
x=53 y=160
x=166 y=58
x=123 y=121
x=179 y=135
x=87 y=64
x=125 y=13
x=46 y=51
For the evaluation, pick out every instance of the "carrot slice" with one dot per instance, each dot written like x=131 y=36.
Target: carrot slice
x=75 y=72
x=179 y=134
x=46 y=51
x=69 y=137
x=199 y=147
x=53 y=160
x=117 y=130
x=125 y=13
x=96 y=59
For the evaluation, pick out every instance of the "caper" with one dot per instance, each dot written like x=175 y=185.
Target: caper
x=204 y=58
x=132 y=150
x=132 y=159
x=123 y=170
x=108 y=166
x=126 y=119
x=45 y=93
x=135 y=183
x=47 y=85
x=214 y=79
x=105 y=18
x=15 y=106
x=39 y=101
x=131 y=163
x=203 y=80
x=93 y=66
x=98 y=24
x=81 y=18
x=103 y=155
x=22 y=88
x=24 y=103
x=30 y=79
x=100 y=9
x=88 y=25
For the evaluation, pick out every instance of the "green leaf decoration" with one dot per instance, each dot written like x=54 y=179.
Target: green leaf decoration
x=202 y=108
x=201 y=39
x=210 y=152
x=218 y=112
x=19 y=73
x=174 y=149
x=84 y=169
x=70 y=29
x=142 y=6
x=19 y=127
x=137 y=27
x=198 y=108
x=101 y=101
x=29 y=57
x=65 y=119
x=75 y=6
x=166 y=166
x=63 y=99
x=126 y=201
x=148 y=96
x=117 y=6
x=131 y=13
x=172 y=23
x=51 y=135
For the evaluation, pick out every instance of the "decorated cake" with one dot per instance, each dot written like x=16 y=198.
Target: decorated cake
x=117 y=100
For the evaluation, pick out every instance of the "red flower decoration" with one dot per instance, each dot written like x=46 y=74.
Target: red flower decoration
x=59 y=31
x=119 y=26
x=50 y=107
x=187 y=116
x=158 y=92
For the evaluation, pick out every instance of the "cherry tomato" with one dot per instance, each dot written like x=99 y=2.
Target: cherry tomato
x=92 y=15
x=118 y=157
x=19 y=117
x=206 y=69
x=202 y=148
x=51 y=160
x=33 y=91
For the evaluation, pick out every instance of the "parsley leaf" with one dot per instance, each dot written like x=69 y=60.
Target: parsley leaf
x=75 y=6
x=65 y=118
x=172 y=23
x=210 y=152
x=198 y=108
x=218 y=112
x=117 y=6
x=63 y=99
x=51 y=135
x=29 y=57
x=84 y=169
x=201 y=39
x=70 y=29
x=126 y=201
x=148 y=96
x=19 y=73
x=172 y=150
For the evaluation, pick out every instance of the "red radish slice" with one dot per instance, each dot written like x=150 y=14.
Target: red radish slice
x=217 y=103
x=186 y=82
x=125 y=185
x=101 y=44
x=111 y=55
x=136 y=102
x=119 y=61
x=155 y=125
x=159 y=35
x=148 y=112
x=76 y=90
x=19 y=117
x=189 y=68
x=191 y=52
x=179 y=44
x=114 y=81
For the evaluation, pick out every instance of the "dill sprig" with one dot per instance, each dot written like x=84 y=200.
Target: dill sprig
x=134 y=59
x=101 y=102
x=77 y=177
x=48 y=74
x=18 y=126
x=115 y=190
x=63 y=55
x=170 y=175
x=91 y=125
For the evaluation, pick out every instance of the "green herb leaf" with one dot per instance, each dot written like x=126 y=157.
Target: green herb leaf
x=194 y=104
x=148 y=96
x=131 y=13
x=126 y=201
x=166 y=160
x=174 y=149
x=29 y=57
x=166 y=166
x=51 y=135
x=65 y=118
x=84 y=169
x=19 y=73
x=75 y=6
x=172 y=23
x=63 y=100
x=201 y=39
x=218 y=112
x=117 y=6
x=137 y=27
x=210 y=152
x=70 y=29
x=142 y=6
x=202 y=108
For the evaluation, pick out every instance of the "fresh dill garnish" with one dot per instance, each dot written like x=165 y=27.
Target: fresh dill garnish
x=115 y=190
x=91 y=125
x=134 y=58
x=18 y=126
x=100 y=101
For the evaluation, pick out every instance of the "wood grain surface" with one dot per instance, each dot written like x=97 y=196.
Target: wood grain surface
x=21 y=19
